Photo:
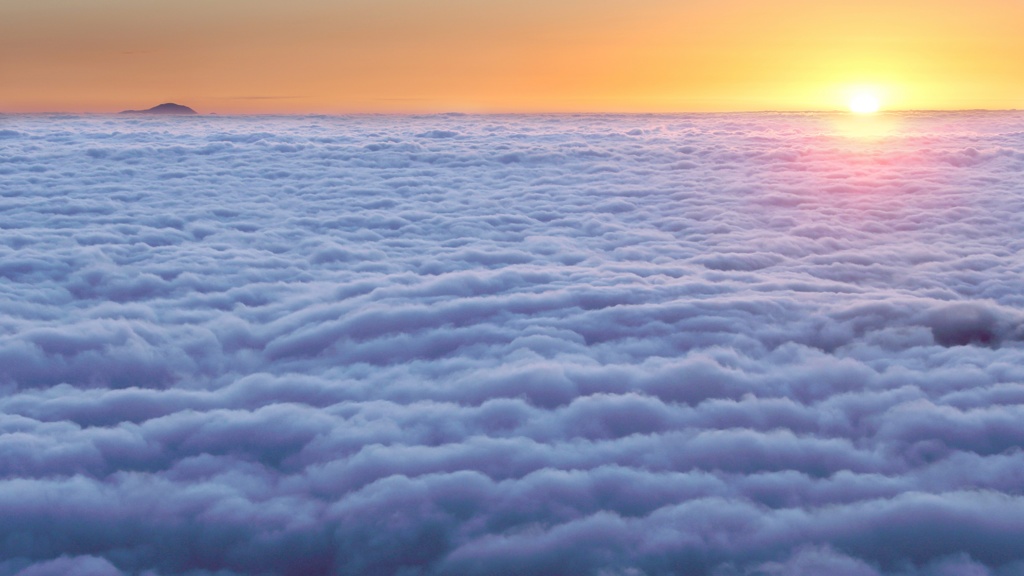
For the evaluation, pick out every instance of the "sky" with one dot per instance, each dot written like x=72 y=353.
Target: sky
x=258 y=56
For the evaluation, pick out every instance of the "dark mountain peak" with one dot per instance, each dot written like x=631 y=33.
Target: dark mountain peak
x=168 y=108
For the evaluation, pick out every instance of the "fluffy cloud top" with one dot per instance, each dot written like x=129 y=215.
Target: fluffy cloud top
x=694 y=345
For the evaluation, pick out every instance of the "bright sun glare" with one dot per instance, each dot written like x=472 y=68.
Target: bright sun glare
x=864 y=103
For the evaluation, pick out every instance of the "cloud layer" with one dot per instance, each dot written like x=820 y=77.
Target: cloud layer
x=632 y=345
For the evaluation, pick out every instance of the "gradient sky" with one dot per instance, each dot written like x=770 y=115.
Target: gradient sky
x=508 y=55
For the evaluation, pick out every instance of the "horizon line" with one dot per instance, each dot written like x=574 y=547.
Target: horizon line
x=127 y=113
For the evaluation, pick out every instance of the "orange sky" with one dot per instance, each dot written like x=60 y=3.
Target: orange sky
x=508 y=55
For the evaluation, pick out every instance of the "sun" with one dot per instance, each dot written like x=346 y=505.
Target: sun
x=864 y=103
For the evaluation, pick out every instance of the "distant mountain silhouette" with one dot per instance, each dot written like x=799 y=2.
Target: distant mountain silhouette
x=168 y=108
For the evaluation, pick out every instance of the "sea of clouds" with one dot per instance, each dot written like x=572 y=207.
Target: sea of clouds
x=484 y=345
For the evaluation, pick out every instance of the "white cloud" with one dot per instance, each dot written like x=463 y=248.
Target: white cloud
x=505 y=345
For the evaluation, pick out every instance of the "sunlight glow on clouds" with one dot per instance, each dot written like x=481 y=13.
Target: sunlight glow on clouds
x=511 y=345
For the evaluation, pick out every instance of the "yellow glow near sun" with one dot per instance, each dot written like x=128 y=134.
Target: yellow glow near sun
x=864 y=103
